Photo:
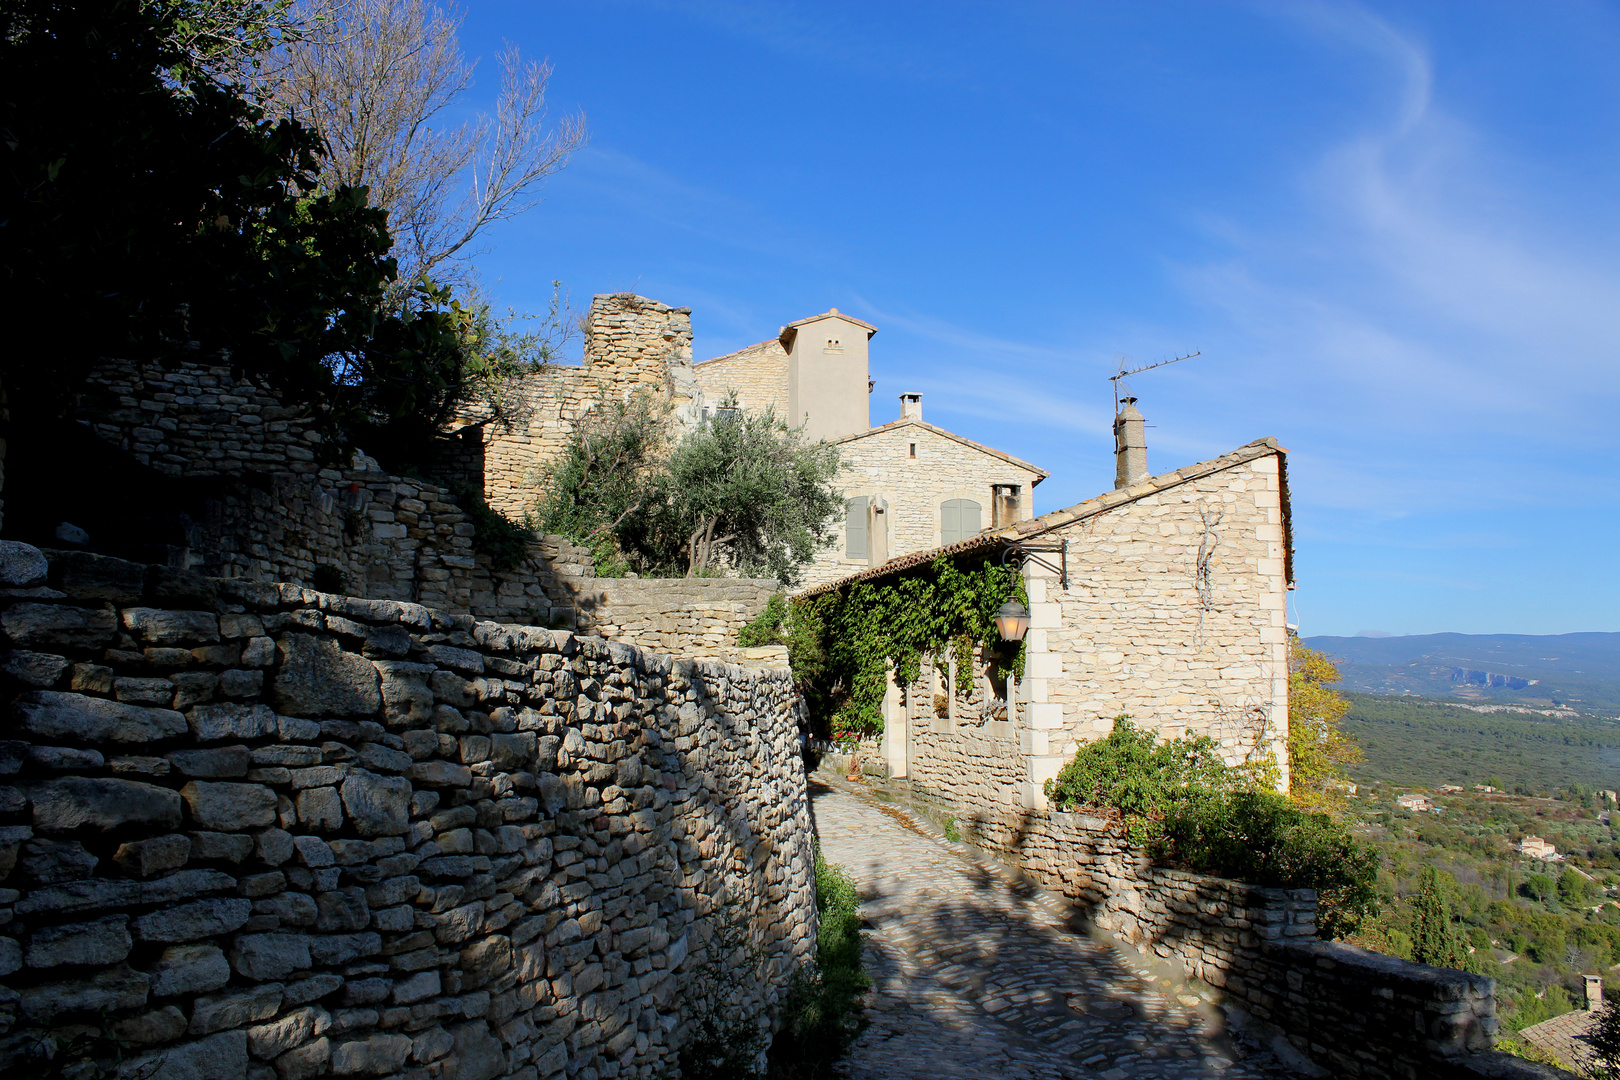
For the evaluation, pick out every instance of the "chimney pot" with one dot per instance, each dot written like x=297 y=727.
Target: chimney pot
x=911 y=406
x=1130 y=446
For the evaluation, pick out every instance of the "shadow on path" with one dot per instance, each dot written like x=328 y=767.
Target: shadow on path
x=979 y=976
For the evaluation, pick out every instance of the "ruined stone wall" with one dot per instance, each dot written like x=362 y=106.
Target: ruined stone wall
x=631 y=343
x=248 y=825
x=879 y=465
x=758 y=375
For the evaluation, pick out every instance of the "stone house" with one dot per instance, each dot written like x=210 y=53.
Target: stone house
x=1536 y=848
x=1163 y=599
x=1415 y=803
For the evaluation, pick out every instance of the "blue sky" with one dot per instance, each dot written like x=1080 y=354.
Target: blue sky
x=1391 y=230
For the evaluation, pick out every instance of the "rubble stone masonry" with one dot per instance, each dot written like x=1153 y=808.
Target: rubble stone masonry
x=261 y=831
x=631 y=344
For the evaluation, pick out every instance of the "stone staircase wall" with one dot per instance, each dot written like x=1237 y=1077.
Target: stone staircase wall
x=252 y=830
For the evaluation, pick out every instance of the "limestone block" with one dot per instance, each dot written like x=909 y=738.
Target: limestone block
x=317 y=678
x=190 y=969
x=76 y=802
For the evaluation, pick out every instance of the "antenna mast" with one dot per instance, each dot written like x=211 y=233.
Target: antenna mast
x=1123 y=360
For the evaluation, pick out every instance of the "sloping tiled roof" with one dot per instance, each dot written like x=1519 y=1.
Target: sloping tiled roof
x=1041 y=473
x=1565 y=1037
x=991 y=539
x=791 y=330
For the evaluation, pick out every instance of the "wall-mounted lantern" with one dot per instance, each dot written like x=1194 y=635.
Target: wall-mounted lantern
x=1012 y=621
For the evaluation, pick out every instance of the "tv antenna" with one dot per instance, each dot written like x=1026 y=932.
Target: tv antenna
x=1119 y=376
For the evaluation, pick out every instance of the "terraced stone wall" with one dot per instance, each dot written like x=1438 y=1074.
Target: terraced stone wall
x=252 y=830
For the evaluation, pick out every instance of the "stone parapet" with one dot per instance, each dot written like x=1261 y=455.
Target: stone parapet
x=247 y=825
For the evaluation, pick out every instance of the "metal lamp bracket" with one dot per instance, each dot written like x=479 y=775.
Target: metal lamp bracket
x=1034 y=552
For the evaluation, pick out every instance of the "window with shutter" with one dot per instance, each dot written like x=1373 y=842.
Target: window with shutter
x=958 y=520
x=855 y=528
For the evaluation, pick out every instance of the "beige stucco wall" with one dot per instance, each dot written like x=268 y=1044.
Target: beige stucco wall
x=827 y=378
x=758 y=374
x=879 y=465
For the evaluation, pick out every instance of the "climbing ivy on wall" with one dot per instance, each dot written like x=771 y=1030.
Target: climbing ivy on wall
x=843 y=641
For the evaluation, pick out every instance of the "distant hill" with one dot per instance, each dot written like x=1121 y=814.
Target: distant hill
x=1569 y=671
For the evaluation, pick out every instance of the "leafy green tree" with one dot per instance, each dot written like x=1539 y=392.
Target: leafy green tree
x=746 y=489
x=1573 y=888
x=152 y=211
x=1538 y=887
x=1436 y=940
x=600 y=491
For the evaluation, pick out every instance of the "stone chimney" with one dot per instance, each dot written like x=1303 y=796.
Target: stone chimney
x=1594 y=992
x=1130 y=446
x=911 y=406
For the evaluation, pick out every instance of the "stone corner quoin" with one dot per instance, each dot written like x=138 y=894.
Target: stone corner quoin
x=257 y=827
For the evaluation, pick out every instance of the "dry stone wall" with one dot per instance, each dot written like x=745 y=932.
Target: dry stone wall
x=688 y=617
x=260 y=831
x=388 y=537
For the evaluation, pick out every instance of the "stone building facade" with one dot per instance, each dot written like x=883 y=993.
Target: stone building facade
x=910 y=486
x=1172 y=612
x=246 y=826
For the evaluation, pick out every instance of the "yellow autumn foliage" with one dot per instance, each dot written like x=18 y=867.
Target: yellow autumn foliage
x=1318 y=751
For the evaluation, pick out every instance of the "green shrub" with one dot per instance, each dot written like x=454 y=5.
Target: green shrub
x=1146 y=780
x=768 y=627
x=1182 y=802
x=821 y=1013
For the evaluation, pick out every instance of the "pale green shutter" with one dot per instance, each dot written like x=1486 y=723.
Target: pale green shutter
x=855 y=528
x=958 y=520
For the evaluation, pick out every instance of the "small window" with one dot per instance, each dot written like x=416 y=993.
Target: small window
x=855 y=528
x=833 y=345
x=958 y=520
x=913 y=449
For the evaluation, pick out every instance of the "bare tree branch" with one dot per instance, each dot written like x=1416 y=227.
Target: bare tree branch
x=376 y=79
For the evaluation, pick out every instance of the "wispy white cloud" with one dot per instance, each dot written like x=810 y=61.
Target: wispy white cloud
x=1419 y=313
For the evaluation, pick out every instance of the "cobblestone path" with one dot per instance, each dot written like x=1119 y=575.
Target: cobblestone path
x=977 y=977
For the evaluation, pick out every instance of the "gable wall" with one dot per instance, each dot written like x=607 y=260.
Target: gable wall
x=758 y=374
x=880 y=465
x=1132 y=633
